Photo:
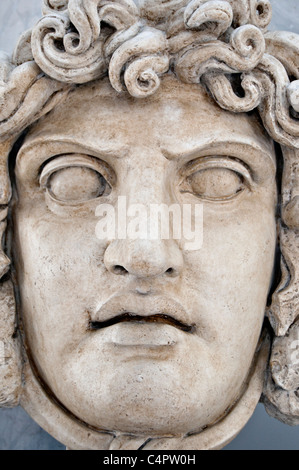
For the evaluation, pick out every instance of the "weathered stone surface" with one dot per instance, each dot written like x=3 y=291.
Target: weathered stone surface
x=160 y=339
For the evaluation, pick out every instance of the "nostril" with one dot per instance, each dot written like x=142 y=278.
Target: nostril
x=117 y=269
x=170 y=272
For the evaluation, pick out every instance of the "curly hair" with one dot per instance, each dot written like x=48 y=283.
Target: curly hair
x=222 y=45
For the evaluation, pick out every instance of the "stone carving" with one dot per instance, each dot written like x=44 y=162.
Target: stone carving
x=149 y=53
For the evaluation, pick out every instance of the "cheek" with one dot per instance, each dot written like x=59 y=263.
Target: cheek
x=61 y=278
x=228 y=282
x=231 y=274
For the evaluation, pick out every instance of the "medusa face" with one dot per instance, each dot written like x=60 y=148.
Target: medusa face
x=132 y=332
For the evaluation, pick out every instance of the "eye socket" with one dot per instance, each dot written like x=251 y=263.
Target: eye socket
x=74 y=179
x=215 y=179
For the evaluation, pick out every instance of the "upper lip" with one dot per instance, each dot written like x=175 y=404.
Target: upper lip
x=132 y=307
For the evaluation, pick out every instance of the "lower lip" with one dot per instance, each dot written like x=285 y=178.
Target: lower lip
x=145 y=335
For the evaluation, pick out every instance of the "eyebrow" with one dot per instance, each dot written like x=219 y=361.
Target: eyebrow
x=107 y=148
x=210 y=146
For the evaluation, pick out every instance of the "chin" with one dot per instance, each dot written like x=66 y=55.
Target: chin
x=142 y=397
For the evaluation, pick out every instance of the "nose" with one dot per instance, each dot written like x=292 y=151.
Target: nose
x=144 y=258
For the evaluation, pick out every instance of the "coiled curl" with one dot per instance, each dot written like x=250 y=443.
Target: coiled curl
x=54 y=5
x=219 y=13
x=141 y=74
x=69 y=47
x=243 y=53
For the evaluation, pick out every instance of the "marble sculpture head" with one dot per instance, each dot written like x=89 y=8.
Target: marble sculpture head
x=135 y=342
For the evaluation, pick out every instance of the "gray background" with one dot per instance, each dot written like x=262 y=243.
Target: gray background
x=17 y=430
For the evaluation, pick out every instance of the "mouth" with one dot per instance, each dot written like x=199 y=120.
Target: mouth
x=151 y=311
x=131 y=317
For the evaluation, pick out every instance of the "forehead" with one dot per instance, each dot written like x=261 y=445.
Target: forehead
x=176 y=119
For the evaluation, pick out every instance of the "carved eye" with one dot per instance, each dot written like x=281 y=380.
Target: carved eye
x=76 y=179
x=216 y=183
x=77 y=184
x=215 y=179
